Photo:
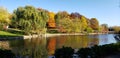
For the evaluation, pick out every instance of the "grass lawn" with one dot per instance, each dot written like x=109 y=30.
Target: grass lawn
x=7 y=33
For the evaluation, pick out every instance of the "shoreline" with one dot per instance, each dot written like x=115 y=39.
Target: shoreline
x=57 y=34
x=46 y=35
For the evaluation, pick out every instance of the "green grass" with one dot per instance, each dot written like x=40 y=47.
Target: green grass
x=7 y=34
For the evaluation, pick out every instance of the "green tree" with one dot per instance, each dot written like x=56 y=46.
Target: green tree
x=94 y=24
x=116 y=29
x=66 y=25
x=71 y=25
x=61 y=15
x=29 y=19
x=89 y=30
x=44 y=14
x=84 y=23
x=77 y=26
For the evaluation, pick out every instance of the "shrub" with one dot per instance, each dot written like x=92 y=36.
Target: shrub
x=64 y=52
x=6 y=54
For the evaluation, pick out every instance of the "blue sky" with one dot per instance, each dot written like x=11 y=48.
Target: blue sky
x=106 y=11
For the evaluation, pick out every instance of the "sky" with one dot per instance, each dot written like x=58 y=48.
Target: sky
x=106 y=11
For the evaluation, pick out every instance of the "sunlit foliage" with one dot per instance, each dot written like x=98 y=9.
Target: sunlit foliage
x=94 y=24
x=51 y=21
x=29 y=19
x=4 y=17
x=38 y=20
x=104 y=27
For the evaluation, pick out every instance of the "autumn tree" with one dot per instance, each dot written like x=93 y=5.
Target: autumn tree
x=80 y=20
x=75 y=15
x=70 y=25
x=61 y=15
x=104 y=27
x=94 y=24
x=51 y=21
x=4 y=17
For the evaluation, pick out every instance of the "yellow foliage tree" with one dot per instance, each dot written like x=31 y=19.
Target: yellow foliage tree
x=84 y=23
x=4 y=16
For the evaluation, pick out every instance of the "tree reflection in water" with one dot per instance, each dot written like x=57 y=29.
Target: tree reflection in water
x=32 y=48
x=51 y=46
x=70 y=41
x=42 y=47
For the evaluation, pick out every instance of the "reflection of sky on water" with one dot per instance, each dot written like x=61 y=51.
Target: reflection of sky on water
x=49 y=45
x=106 y=39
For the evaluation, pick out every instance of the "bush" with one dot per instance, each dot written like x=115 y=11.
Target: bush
x=89 y=30
x=6 y=54
x=84 y=52
x=52 y=31
x=92 y=52
x=99 y=51
x=64 y=52
x=1 y=27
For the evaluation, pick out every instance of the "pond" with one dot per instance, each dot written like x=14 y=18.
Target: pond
x=42 y=47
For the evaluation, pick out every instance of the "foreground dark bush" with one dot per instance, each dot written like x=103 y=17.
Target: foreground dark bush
x=6 y=54
x=99 y=51
x=84 y=52
x=64 y=52
x=92 y=52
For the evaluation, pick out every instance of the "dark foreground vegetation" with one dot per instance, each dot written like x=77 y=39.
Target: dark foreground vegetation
x=64 y=52
x=92 y=52
x=6 y=54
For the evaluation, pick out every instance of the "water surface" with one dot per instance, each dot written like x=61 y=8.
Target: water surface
x=42 y=47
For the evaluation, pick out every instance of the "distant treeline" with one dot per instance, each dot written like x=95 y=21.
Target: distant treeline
x=115 y=28
x=37 y=20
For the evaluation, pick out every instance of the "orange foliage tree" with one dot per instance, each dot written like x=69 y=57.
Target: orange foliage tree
x=51 y=21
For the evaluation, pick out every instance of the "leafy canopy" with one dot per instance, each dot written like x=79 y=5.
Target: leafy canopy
x=4 y=16
x=30 y=19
